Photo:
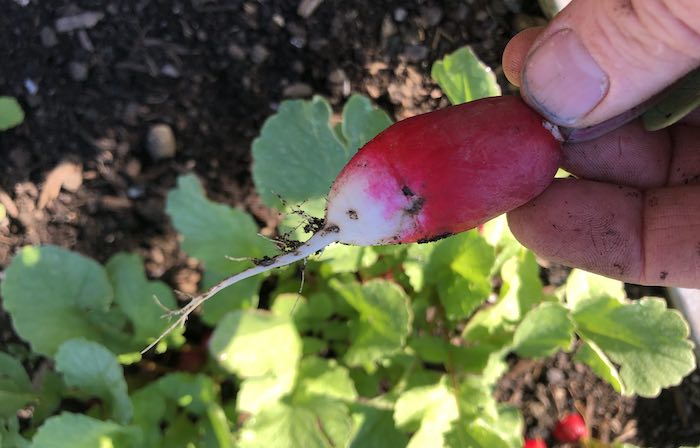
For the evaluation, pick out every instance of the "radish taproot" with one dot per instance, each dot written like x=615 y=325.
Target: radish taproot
x=428 y=177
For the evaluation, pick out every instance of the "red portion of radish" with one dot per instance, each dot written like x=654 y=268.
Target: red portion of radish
x=534 y=443
x=446 y=171
x=571 y=428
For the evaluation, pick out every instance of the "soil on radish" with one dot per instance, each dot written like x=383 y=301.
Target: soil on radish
x=232 y=68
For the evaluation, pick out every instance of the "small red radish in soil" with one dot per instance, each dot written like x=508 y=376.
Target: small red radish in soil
x=570 y=429
x=534 y=443
x=428 y=177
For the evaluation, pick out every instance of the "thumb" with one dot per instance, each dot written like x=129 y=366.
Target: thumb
x=599 y=58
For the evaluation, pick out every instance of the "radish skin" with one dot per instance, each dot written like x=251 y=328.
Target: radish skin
x=428 y=177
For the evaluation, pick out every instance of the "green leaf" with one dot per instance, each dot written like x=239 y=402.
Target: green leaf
x=11 y=113
x=80 y=431
x=463 y=77
x=682 y=99
x=211 y=232
x=427 y=411
x=590 y=354
x=10 y=436
x=582 y=285
x=375 y=428
x=520 y=292
x=135 y=296
x=297 y=155
x=362 y=121
x=459 y=267
x=323 y=378
x=647 y=340
x=543 y=331
x=503 y=432
x=262 y=348
x=384 y=320
x=94 y=370
x=15 y=387
x=54 y=295
x=282 y=425
x=430 y=348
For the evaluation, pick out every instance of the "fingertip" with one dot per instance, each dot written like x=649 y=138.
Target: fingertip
x=516 y=51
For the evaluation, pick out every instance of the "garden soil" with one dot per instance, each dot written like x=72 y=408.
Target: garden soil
x=95 y=77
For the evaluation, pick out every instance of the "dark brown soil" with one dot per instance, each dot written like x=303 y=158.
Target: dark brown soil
x=213 y=70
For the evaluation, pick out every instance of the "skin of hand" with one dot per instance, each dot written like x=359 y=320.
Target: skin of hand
x=633 y=210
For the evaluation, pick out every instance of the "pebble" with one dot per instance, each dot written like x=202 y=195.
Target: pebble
x=170 y=71
x=432 y=15
x=78 y=70
x=416 y=53
x=84 y=20
x=160 y=142
x=48 y=37
x=297 y=90
x=236 y=52
x=400 y=14
x=259 y=54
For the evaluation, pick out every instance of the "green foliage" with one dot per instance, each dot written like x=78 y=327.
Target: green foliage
x=55 y=295
x=675 y=104
x=383 y=347
x=15 y=387
x=95 y=371
x=463 y=77
x=11 y=113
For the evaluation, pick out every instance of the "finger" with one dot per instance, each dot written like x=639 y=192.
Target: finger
x=685 y=165
x=629 y=156
x=646 y=238
x=515 y=53
x=599 y=58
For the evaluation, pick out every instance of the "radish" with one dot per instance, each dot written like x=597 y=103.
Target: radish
x=535 y=443
x=428 y=177
x=570 y=429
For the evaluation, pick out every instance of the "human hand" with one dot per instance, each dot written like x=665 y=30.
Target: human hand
x=633 y=213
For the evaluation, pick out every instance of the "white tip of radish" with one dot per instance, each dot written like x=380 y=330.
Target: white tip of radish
x=327 y=235
x=369 y=207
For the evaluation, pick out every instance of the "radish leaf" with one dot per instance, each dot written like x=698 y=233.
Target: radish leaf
x=11 y=113
x=590 y=354
x=15 y=388
x=543 y=331
x=262 y=349
x=463 y=77
x=646 y=339
x=69 y=430
x=54 y=295
x=135 y=295
x=384 y=320
x=362 y=121
x=283 y=425
x=95 y=371
x=300 y=139
x=581 y=285
x=211 y=232
x=375 y=428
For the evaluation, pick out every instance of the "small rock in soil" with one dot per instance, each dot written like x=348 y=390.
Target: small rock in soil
x=236 y=52
x=400 y=14
x=307 y=7
x=297 y=90
x=432 y=15
x=170 y=71
x=48 y=37
x=78 y=71
x=160 y=142
x=416 y=53
x=260 y=54
x=80 y=21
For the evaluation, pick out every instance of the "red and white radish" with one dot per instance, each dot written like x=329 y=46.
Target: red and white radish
x=431 y=176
